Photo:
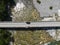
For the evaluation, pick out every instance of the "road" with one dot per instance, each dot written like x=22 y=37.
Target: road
x=32 y=24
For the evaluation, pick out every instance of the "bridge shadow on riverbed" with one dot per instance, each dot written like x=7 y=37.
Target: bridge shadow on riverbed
x=32 y=29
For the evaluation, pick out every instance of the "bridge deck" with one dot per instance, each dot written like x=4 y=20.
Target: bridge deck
x=32 y=24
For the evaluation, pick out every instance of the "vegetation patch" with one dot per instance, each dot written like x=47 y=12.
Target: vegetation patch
x=55 y=43
x=50 y=7
x=4 y=37
x=38 y=1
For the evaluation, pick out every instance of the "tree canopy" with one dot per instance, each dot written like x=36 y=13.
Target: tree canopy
x=4 y=37
x=55 y=43
x=4 y=10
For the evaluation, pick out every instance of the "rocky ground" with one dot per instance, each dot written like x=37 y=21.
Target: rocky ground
x=27 y=13
x=29 y=37
x=36 y=37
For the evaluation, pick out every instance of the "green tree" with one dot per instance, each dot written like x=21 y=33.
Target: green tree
x=38 y=1
x=4 y=10
x=4 y=37
x=55 y=43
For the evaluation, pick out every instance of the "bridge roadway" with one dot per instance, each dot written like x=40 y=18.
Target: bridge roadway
x=26 y=25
